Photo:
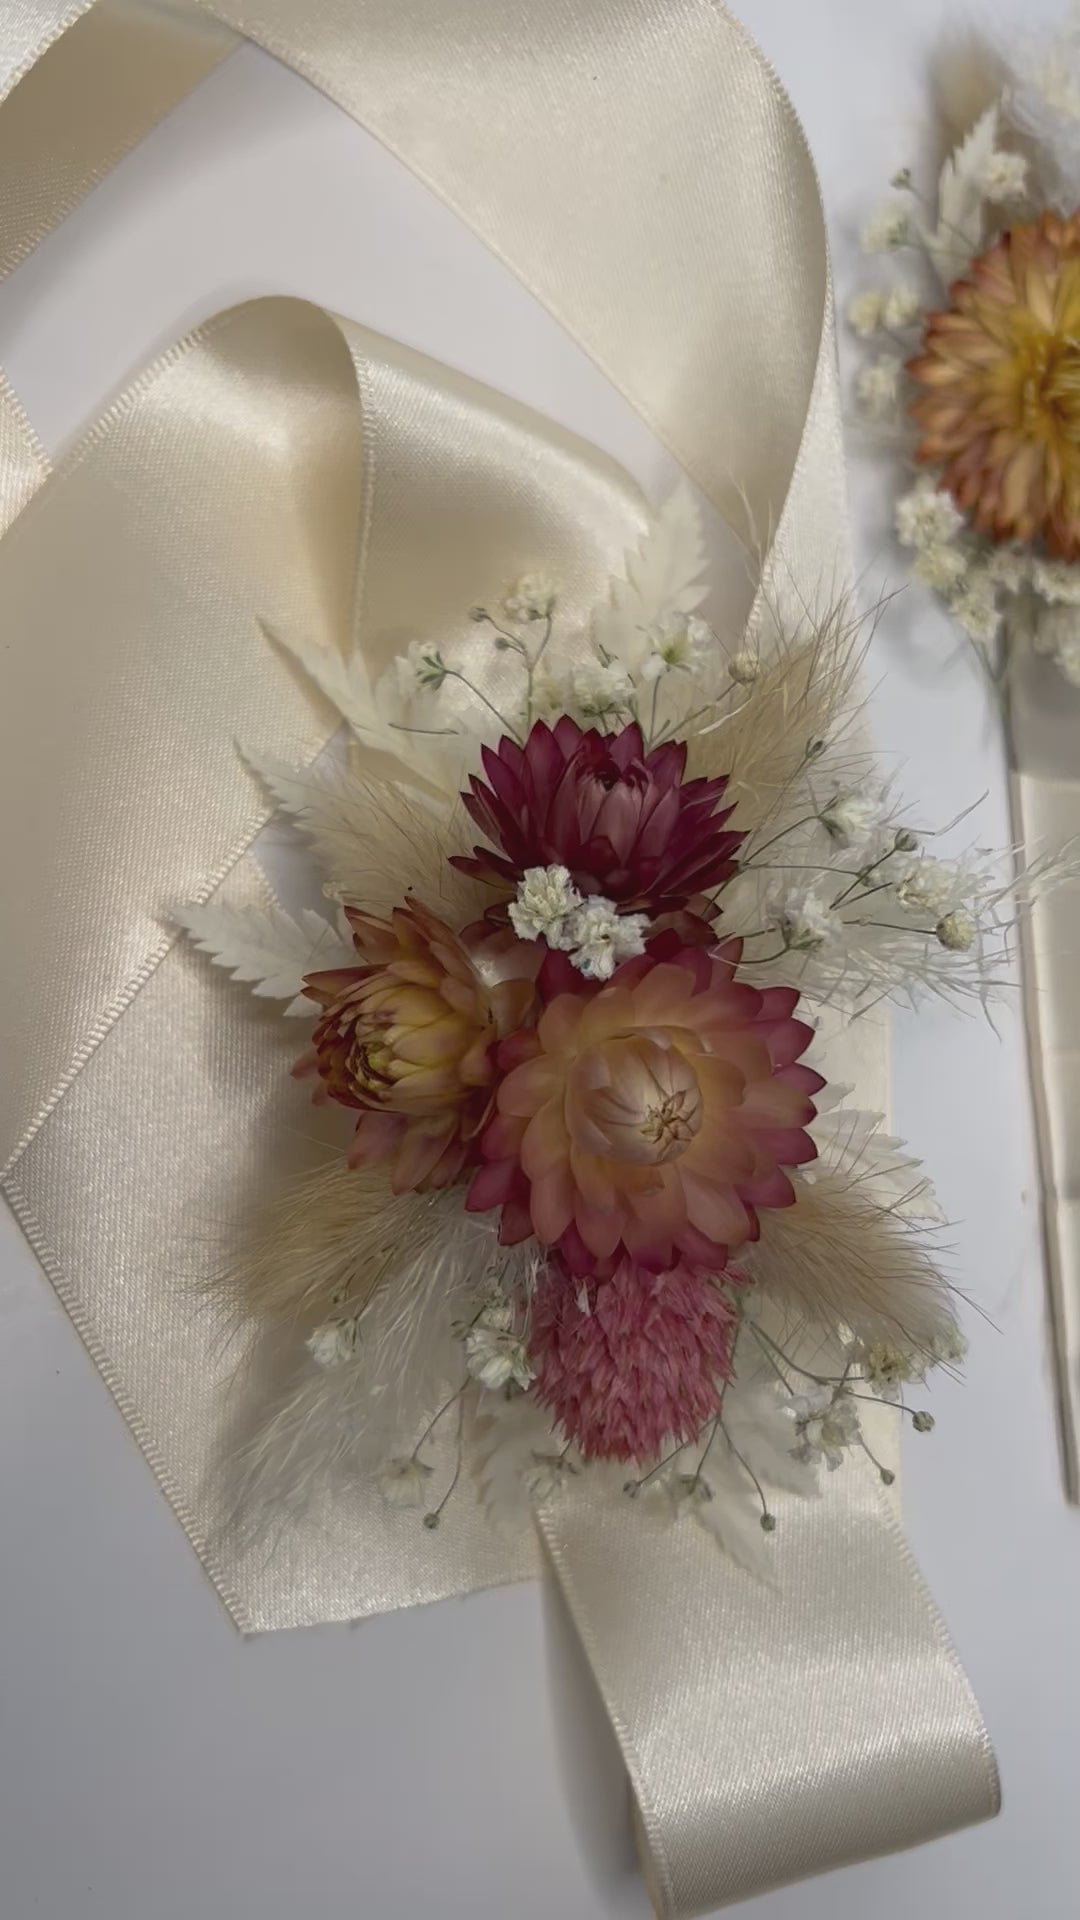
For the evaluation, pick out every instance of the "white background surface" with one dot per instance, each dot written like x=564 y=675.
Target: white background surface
x=152 y=1765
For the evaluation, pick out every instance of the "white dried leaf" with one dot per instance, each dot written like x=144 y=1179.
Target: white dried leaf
x=330 y=805
x=517 y=1445
x=850 y=1140
x=754 y=1443
x=759 y=1422
x=377 y=840
x=1042 y=100
x=267 y=949
x=346 y=683
x=733 y=1517
x=958 y=235
x=663 y=579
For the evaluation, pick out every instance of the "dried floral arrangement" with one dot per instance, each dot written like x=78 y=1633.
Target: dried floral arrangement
x=976 y=377
x=597 y=905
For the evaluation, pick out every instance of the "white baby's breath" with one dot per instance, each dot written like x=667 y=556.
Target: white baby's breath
x=600 y=688
x=1056 y=582
x=546 y=900
x=802 y=917
x=421 y=666
x=1003 y=177
x=877 y=388
x=335 y=1342
x=941 y=567
x=976 y=608
x=744 y=667
x=683 y=644
x=903 y=305
x=1009 y=568
x=866 y=312
x=849 y=817
x=956 y=930
x=403 y=1482
x=948 y=1348
x=888 y=1367
x=598 y=937
x=494 y=1352
x=530 y=598
x=595 y=935
x=1067 y=660
x=927 y=517
x=889 y=228
x=929 y=886
x=826 y=1425
x=550 y=697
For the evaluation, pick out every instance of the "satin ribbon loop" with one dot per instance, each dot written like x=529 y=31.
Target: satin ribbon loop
x=767 y=1735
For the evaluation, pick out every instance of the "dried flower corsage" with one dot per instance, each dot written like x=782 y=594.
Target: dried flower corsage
x=976 y=362
x=598 y=1210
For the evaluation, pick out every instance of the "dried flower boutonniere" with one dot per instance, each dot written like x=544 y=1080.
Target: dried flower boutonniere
x=596 y=1207
x=978 y=379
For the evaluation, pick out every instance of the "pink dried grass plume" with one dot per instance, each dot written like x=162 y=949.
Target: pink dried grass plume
x=643 y=1368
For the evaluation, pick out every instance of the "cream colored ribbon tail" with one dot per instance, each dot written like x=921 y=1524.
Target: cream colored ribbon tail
x=1044 y=724
x=710 y=310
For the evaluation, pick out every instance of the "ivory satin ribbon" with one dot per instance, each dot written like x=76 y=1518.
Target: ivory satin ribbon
x=1044 y=725
x=768 y=1735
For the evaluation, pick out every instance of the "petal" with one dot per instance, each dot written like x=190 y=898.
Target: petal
x=530 y=1087
x=376 y=1137
x=716 y=1211
x=551 y=1204
x=420 y=1151
x=491 y=1186
x=545 y=1146
x=599 y=1227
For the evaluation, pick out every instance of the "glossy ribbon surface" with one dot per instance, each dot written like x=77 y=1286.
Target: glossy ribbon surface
x=768 y=1734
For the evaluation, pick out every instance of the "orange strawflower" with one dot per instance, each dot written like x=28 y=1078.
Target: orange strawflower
x=1001 y=371
x=409 y=1037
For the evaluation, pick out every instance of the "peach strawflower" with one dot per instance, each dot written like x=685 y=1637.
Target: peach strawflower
x=639 y=1364
x=409 y=1038
x=651 y=1118
x=1000 y=368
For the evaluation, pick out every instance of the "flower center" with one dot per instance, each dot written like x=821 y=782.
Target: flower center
x=641 y=1100
x=671 y=1123
x=371 y=1060
x=1048 y=390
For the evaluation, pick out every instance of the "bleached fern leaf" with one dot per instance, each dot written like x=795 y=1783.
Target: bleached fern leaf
x=345 y=682
x=958 y=235
x=331 y=806
x=663 y=578
x=759 y=1428
x=377 y=719
x=267 y=949
x=302 y=792
x=520 y=1458
x=732 y=1514
x=377 y=840
x=854 y=1142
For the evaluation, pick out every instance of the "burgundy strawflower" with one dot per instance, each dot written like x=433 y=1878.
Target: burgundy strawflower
x=623 y=821
x=643 y=1368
